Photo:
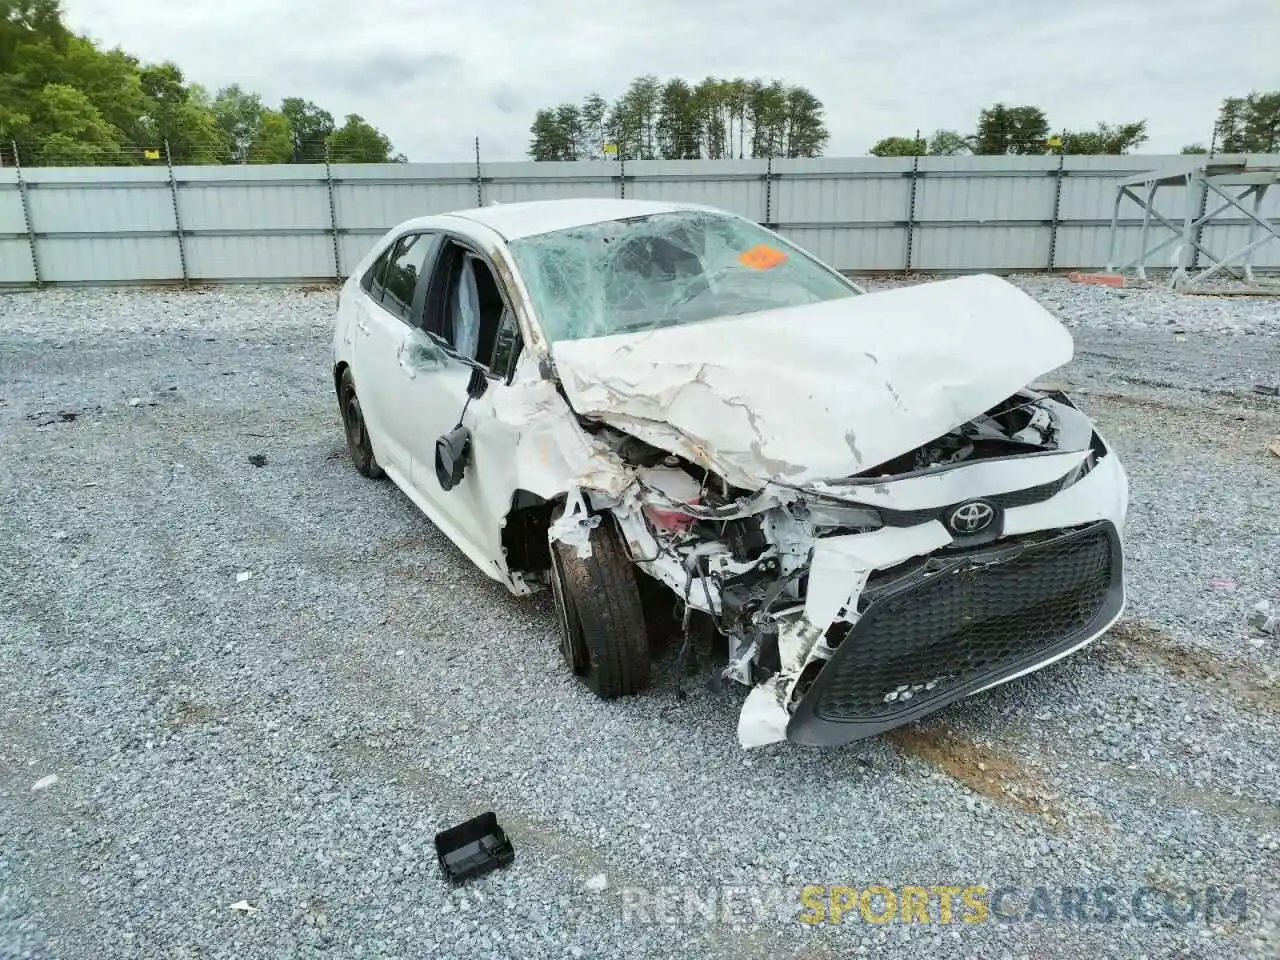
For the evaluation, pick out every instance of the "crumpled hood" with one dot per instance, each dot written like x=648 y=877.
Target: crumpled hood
x=821 y=391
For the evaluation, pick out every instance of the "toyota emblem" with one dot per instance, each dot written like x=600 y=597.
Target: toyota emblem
x=972 y=517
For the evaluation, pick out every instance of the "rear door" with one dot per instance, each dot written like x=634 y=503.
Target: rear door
x=396 y=285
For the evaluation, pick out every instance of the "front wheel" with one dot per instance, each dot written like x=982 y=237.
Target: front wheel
x=601 y=619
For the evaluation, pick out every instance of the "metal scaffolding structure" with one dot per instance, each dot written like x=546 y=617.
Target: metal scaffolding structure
x=1202 y=181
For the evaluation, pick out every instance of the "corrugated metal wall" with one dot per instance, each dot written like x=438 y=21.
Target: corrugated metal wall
x=307 y=222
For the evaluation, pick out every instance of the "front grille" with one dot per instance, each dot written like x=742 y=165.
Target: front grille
x=941 y=633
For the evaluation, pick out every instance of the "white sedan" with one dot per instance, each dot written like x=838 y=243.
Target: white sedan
x=856 y=496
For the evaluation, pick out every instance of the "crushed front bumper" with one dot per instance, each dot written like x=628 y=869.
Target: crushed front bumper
x=931 y=634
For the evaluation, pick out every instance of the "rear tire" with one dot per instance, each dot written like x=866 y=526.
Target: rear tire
x=353 y=423
x=601 y=618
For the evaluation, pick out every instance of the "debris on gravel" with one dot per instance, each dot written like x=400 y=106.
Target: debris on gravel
x=240 y=702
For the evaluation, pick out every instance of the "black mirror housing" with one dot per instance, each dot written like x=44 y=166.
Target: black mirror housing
x=453 y=452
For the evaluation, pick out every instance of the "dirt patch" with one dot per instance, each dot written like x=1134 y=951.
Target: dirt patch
x=192 y=714
x=1134 y=643
x=1000 y=778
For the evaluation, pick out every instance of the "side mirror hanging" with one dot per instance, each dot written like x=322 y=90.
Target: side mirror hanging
x=453 y=450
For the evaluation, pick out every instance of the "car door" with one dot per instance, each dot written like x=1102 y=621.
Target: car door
x=467 y=324
x=382 y=369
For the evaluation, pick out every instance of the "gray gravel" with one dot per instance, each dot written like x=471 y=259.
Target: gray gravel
x=293 y=740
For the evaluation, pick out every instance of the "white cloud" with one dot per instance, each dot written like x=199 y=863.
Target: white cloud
x=435 y=75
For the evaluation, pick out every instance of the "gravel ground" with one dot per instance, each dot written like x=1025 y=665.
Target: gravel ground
x=289 y=743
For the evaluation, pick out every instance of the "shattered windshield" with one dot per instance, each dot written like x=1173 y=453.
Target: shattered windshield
x=623 y=276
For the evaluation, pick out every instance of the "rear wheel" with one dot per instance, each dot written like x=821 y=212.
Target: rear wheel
x=358 y=444
x=601 y=619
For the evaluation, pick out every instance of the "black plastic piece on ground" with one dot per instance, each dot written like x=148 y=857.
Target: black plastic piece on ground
x=473 y=849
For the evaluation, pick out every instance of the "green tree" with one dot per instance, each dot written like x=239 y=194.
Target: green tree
x=553 y=134
x=29 y=22
x=309 y=127
x=67 y=100
x=274 y=140
x=181 y=116
x=356 y=141
x=767 y=116
x=594 y=115
x=238 y=114
x=947 y=143
x=1017 y=130
x=900 y=147
x=1194 y=148
x=633 y=121
x=679 y=127
x=806 y=133
x=712 y=119
x=712 y=106
x=1107 y=139
x=1250 y=124
x=72 y=130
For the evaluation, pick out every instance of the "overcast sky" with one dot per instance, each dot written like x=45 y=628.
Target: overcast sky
x=432 y=75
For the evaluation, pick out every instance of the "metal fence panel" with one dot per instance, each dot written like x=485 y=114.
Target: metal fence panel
x=864 y=190
x=878 y=248
x=15 y=262
x=284 y=222
x=556 y=180
x=735 y=185
x=109 y=258
x=262 y=257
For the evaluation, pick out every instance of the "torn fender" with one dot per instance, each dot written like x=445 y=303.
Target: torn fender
x=821 y=391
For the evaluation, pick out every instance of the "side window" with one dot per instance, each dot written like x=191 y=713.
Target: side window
x=372 y=279
x=468 y=311
x=409 y=260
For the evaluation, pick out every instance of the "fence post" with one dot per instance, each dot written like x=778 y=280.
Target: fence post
x=333 y=215
x=768 y=193
x=1057 y=209
x=622 y=175
x=479 y=178
x=177 y=216
x=911 y=205
x=1204 y=204
x=26 y=215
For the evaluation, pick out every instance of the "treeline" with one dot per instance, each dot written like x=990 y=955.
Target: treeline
x=63 y=100
x=713 y=119
x=1249 y=124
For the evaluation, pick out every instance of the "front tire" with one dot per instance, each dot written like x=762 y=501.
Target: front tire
x=353 y=423
x=601 y=618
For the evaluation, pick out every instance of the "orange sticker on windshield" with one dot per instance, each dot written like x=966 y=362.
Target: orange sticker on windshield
x=762 y=257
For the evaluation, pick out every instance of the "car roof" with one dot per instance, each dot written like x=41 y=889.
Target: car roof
x=515 y=220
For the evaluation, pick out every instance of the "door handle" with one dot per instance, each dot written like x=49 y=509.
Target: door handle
x=404 y=363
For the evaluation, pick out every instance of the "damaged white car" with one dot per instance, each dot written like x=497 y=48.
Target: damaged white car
x=623 y=400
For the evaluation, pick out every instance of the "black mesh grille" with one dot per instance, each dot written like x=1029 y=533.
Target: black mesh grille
x=977 y=620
